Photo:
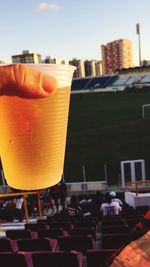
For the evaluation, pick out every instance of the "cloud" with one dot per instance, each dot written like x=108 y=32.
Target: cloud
x=46 y=6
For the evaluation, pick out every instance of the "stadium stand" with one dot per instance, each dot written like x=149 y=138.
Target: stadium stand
x=93 y=83
x=100 y=82
x=145 y=79
x=94 y=239
x=80 y=84
x=112 y=83
x=134 y=79
x=121 y=81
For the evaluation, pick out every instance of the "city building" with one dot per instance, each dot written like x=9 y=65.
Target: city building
x=93 y=67
x=145 y=62
x=98 y=67
x=51 y=60
x=116 y=55
x=65 y=62
x=89 y=66
x=83 y=68
x=80 y=70
x=27 y=56
x=86 y=68
x=5 y=62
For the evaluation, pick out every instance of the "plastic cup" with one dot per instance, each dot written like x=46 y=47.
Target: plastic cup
x=33 y=133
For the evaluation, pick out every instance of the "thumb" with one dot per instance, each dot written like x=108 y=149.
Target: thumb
x=20 y=80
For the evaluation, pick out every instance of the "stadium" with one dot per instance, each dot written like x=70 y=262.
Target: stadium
x=106 y=126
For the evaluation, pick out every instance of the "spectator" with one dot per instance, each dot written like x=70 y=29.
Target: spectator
x=6 y=210
x=55 y=193
x=73 y=209
x=114 y=198
x=110 y=207
x=86 y=205
x=62 y=193
x=32 y=205
x=18 y=208
x=97 y=200
x=49 y=200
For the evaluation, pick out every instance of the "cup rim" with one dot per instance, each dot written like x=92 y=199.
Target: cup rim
x=54 y=66
x=45 y=65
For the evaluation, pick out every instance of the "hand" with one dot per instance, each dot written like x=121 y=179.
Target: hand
x=23 y=81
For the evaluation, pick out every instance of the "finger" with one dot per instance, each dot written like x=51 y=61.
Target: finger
x=21 y=80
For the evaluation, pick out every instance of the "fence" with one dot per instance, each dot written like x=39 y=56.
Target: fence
x=137 y=186
x=24 y=195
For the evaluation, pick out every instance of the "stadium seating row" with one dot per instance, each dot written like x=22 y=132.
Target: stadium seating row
x=94 y=258
x=114 y=81
x=68 y=243
x=81 y=241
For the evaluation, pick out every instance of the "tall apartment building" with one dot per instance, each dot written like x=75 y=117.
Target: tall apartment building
x=116 y=55
x=27 y=57
x=93 y=67
x=80 y=70
x=98 y=67
x=86 y=68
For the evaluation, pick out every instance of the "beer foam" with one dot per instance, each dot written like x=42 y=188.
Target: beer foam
x=61 y=72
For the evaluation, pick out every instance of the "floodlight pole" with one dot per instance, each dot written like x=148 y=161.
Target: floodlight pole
x=84 y=177
x=139 y=42
x=105 y=171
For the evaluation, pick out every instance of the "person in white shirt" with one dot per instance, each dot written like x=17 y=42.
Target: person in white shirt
x=110 y=207
x=113 y=195
x=18 y=208
x=19 y=202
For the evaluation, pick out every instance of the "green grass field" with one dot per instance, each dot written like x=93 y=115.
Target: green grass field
x=104 y=129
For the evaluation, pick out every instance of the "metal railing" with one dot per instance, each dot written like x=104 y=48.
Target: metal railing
x=25 y=195
x=137 y=186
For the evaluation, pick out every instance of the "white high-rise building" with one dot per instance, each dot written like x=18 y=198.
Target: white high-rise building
x=27 y=56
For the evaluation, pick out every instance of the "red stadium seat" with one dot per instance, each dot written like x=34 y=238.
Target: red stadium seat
x=43 y=244
x=114 y=241
x=57 y=259
x=6 y=245
x=19 y=234
x=54 y=233
x=98 y=257
x=19 y=259
x=83 y=231
x=79 y=243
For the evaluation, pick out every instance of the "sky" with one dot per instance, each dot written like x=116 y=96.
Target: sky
x=70 y=29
